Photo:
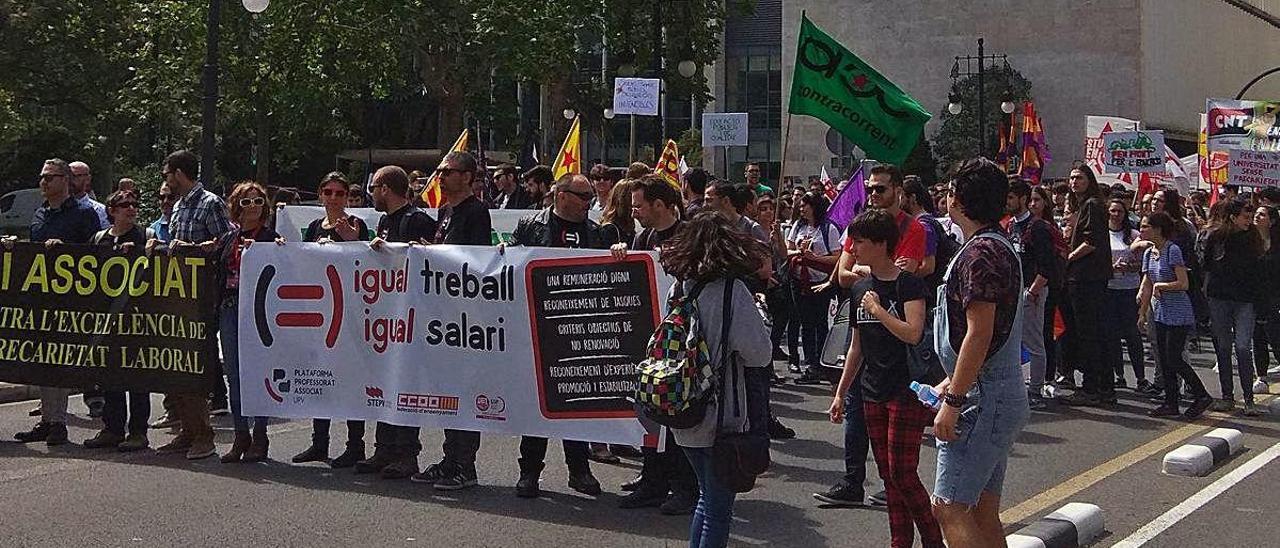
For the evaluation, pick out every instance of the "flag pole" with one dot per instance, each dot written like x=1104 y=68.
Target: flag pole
x=786 y=139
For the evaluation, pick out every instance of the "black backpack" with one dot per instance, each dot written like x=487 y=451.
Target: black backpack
x=947 y=249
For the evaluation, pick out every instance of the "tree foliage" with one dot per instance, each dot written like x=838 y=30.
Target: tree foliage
x=957 y=139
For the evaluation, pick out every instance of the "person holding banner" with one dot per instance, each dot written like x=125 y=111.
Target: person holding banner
x=395 y=448
x=60 y=219
x=464 y=220
x=335 y=226
x=123 y=236
x=248 y=206
x=564 y=224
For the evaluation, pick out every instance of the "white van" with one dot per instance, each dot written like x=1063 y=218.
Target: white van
x=17 y=208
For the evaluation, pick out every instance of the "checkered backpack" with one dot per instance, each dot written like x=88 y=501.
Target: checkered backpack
x=676 y=379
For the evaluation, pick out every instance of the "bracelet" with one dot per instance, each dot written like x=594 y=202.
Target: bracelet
x=954 y=400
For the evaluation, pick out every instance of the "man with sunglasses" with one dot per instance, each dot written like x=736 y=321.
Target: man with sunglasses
x=60 y=219
x=564 y=224
x=511 y=194
x=161 y=225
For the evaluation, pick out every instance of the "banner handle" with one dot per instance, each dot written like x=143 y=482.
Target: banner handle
x=786 y=139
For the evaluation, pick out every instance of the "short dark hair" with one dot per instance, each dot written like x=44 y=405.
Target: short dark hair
x=600 y=171
x=333 y=176
x=914 y=187
x=697 y=179
x=539 y=174
x=656 y=188
x=1061 y=188
x=1271 y=194
x=894 y=173
x=1019 y=188
x=394 y=178
x=1161 y=221
x=875 y=225
x=738 y=194
x=184 y=161
x=505 y=169
x=819 y=203
x=638 y=169
x=981 y=190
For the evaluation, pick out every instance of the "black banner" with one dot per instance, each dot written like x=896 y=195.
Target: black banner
x=77 y=316
x=592 y=318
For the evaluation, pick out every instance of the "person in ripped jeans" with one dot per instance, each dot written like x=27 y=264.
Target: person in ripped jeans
x=978 y=339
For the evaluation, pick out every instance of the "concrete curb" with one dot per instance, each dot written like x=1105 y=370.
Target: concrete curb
x=1202 y=454
x=17 y=392
x=1076 y=524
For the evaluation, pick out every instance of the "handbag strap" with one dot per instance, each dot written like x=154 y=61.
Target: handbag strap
x=726 y=353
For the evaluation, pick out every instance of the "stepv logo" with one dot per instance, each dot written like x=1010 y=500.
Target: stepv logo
x=278 y=384
x=374 y=395
x=311 y=292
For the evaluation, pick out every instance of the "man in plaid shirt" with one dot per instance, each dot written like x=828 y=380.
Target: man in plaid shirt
x=199 y=218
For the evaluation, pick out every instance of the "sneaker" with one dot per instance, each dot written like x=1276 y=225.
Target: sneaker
x=879 y=498
x=1036 y=403
x=105 y=439
x=1198 y=408
x=219 y=408
x=1081 y=399
x=456 y=481
x=166 y=421
x=585 y=483
x=600 y=453
x=680 y=503
x=1164 y=411
x=841 y=495
x=779 y=432
x=778 y=380
x=201 y=449
x=1224 y=405
x=374 y=464
x=315 y=453
x=1250 y=410
x=38 y=433
x=1144 y=386
x=1120 y=382
x=1049 y=391
x=809 y=377
x=431 y=474
x=180 y=444
x=1063 y=381
x=134 y=442
x=644 y=497
x=794 y=368
x=95 y=408
x=527 y=486
x=1259 y=386
x=401 y=468
x=348 y=458
x=633 y=483
x=779 y=355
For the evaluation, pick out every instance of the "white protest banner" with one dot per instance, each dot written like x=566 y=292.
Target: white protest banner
x=636 y=96
x=1133 y=152
x=1095 y=126
x=724 y=129
x=292 y=220
x=1253 y=168
x=1242 y=125
x=532 y=341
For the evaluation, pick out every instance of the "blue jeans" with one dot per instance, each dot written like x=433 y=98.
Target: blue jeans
x=711 y=520
x=1232 y=324
x=856 y=442
x=228 y=338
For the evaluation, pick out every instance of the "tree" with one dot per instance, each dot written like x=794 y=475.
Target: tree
x=922 y=163
x=957 y=139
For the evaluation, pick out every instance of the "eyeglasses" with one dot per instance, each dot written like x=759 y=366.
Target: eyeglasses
x=49 y=176
x=445 y=172
x=877 y=189
x=582 y=195
x=332 y=192
x=133 y=205
x=246 y=202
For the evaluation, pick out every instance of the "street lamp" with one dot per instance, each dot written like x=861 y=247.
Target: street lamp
x=256 y=6
x=954 y=106
x=687 y=68
x=608 y=114
x=569 y=114
x=1007 y=106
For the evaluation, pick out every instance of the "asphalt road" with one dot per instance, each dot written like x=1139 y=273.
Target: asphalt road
x=69 y=495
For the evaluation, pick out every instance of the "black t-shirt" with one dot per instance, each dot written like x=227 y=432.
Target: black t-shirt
x=136 y=236
x=316 y=230
x=466 y=224
x=407 y=224
x=650 y=239
x=564 y=233
x=885 y=372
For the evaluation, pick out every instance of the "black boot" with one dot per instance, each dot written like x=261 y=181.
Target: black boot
x=317 y=452
x=349 y=458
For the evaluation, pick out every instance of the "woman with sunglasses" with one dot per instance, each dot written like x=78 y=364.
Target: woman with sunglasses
x=124 y=235
x=247 y=206
x=335 y=226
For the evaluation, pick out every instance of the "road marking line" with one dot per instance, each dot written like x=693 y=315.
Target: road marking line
x=1060 y=492
x=1187 y=507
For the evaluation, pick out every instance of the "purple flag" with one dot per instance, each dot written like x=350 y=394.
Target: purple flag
x=850 y=202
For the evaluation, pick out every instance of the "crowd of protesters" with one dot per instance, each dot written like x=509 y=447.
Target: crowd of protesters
x=1024 y=286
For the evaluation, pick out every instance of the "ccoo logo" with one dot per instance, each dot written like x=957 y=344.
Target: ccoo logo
x=310 y=292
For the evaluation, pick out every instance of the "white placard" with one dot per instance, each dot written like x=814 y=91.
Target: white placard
x=636 y=96
x=1255 y=168
x=724 y=129
x=1133 y=152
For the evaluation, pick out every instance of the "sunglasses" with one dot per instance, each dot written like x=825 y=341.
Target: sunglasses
x=445 y=172
x=877 y=189
x=332 y=192
x=246 y=202
x=582 y=195
x=133 y=205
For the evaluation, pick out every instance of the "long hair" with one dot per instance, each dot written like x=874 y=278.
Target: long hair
x=1126 y=225
x=819 y=204
x=1222 y=226
x=618 y=210
x=1173 y=207
x=1092 y=190
x=708 y=248
x=242 y=190
x=1047 y=212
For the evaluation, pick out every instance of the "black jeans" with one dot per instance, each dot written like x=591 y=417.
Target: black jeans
x=1266 y=333
x=400 y=441
x=1172 y=340
x=1122 y=332
x=533 y=455
x=778 y=300
x=811 y=312
x=856 y=442
x=668 y=470
x=320 y=432
x=114 y=414
x=1088 y=299
x=460 y=447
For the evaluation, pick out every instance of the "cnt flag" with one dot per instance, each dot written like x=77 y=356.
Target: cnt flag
x=832 y=84
x=669 y=164
x=569 y=160
x=432 y=194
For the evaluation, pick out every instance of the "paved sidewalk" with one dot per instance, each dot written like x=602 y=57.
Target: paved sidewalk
x=17 y=392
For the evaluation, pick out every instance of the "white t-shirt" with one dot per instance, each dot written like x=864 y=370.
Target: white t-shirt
x=1120 y=250
x=821 y=248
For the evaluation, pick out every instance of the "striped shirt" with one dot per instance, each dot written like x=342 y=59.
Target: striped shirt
x=199 y=216
x=1172 y=308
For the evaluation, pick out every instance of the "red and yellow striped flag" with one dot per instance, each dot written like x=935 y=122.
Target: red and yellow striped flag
x=433 y=195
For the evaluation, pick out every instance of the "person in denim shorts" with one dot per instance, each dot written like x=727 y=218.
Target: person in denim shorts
x=985 y=399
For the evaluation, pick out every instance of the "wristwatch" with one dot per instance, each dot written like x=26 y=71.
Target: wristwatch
x=955 y=400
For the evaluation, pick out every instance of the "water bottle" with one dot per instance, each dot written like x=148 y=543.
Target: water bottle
x=927 y=395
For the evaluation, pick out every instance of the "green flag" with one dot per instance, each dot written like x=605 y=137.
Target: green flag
x=833 y=85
